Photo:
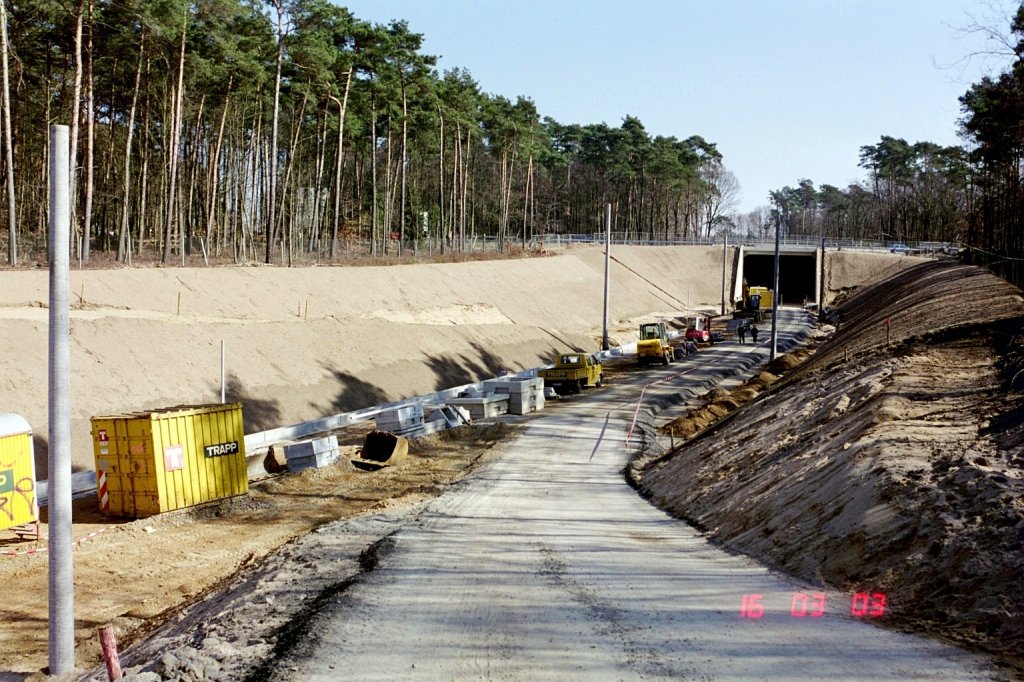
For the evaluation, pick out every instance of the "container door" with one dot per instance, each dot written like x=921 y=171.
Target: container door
x=17 y=481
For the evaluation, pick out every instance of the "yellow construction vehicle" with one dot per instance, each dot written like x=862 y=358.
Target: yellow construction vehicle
x=572 y=373
x=653 y=345
x=756 y=303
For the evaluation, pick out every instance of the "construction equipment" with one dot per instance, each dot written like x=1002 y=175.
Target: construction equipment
x=757 y=302
x=381 y=449
x=698 y=329
x=573 y=372
x=653 y=345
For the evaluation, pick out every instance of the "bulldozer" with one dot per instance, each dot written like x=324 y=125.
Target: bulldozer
x=653 y=345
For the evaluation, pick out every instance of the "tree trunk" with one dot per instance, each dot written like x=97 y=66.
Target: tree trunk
x=186 y=227
x=291 y=161
x=215 y=166
x=90 y=144
x=122 y=241
x=405 y=161
x=175 y=141
x=272 y=168
x=76 y=101
x=440 y=179
x=12 y=227
x=339 y=162
x=373 y=179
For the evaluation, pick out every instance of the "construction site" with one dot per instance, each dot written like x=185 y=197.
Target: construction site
x=402 y=469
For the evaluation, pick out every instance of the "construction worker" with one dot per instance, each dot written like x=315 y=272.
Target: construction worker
x=753 y=333
x=742 y=331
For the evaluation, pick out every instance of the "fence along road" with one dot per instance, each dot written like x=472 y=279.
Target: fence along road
x=547 y=566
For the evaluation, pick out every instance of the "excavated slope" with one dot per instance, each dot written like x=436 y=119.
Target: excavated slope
x=303 y=343
x=893 y=469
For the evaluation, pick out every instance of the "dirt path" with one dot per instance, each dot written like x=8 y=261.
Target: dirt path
x=549 y=566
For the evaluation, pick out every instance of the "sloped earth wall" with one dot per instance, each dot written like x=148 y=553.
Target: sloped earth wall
x=893 y=468
x=305 y=343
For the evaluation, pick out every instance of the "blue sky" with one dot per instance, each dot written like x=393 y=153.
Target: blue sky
x=787 y=89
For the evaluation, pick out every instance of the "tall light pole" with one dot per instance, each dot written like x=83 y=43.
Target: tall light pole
x=725 y=255
x=775 y=295
x=821 y=283
x=61 y=585
x=607 y=270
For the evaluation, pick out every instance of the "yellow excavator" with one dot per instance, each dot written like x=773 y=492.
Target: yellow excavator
x=653 y=345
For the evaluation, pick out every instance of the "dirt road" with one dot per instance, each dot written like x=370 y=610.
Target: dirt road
x=546 y=565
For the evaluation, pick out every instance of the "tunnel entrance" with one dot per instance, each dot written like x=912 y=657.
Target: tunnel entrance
x=797 y=276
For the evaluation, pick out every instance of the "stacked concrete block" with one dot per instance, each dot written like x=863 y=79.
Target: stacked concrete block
x=402 y=421
x=526 y=394
x=311 y=454
x=493 y=405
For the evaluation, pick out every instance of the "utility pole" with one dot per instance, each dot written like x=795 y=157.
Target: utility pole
x=775 y=295
x=61 y=585
x=607 y=270
x=821 y=283
x=725 y=253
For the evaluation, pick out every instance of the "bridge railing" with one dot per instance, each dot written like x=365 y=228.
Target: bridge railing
x=556 y=240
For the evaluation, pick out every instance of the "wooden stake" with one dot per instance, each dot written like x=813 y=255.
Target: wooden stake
x=81 y=295
x=108 y=644
x=306 y=315
x=179 y=304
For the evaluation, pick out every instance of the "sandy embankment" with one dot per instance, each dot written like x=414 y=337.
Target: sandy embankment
x=304 y=343
x=890 y=461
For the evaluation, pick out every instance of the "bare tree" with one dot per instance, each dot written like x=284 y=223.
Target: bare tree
x=722 y=193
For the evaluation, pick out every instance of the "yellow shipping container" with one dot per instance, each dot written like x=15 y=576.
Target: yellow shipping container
x=158 y=461
x=18 y=503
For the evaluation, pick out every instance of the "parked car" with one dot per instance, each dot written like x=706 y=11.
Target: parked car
x=899 y=248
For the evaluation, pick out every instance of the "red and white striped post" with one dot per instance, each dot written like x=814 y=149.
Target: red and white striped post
x=108 y=644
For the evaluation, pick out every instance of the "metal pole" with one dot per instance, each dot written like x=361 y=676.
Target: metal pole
x=222 y=400
x=775 y=297
x=607 y=270
x=725 y=251
x=821 y=283
x=61 y=586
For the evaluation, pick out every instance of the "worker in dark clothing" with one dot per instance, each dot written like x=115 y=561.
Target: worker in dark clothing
x=753 y=333
x=742 y=331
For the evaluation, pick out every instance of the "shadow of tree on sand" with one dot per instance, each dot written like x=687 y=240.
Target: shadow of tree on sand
x=355 y=393
x=456 y=370
x=259 y=414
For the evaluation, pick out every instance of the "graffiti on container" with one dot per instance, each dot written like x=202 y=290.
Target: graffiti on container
x=11 y=488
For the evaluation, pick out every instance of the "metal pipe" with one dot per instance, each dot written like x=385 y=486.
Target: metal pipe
x=61 y=585
x=222 y=389
x=607 y=270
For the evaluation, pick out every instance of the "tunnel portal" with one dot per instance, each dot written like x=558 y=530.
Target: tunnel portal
x=797 y=275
